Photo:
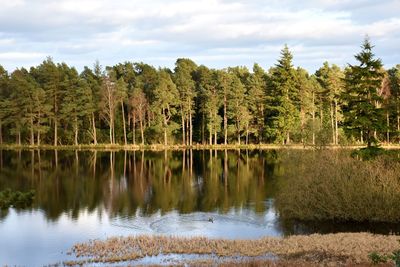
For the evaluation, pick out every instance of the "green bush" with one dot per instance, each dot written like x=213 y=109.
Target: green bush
x=9 y=198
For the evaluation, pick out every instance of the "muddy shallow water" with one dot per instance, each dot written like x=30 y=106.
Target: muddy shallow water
x=95 y=195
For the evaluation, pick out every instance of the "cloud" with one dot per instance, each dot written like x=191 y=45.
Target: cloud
x=213 y=32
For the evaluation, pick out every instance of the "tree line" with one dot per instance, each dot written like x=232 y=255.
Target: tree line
x=135 y=103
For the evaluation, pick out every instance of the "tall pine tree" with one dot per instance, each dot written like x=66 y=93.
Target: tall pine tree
x=363 y=113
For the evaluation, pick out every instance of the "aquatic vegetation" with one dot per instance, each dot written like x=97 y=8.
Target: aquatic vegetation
x=341 y=248
x=9 y=198
x=377 y=258
x=334 y=186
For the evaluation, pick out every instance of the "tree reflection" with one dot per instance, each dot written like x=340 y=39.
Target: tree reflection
x=124 y=183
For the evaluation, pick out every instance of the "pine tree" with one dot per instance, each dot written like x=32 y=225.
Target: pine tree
x=183 y=78
x=256 y=84
x=4 y=88
x=237 y=110
x=210 y=102
x=166 y=102
x=78 y=101
x=363 y=113
x=331 y=79
x=283 y=99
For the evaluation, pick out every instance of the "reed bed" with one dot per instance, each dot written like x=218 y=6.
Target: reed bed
x=340 y=249
x=330 y=185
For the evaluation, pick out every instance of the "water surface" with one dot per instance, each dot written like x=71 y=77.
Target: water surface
x=82 y=195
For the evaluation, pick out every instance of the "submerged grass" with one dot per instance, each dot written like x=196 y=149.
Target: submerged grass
x=340 y=188
x=338 y=249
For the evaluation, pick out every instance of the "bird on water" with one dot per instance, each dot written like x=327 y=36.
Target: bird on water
x=211 y=219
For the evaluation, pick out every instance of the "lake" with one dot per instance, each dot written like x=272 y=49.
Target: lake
x=83 y=195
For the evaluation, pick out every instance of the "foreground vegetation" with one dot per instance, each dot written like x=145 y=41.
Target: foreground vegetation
x=135 y=103
x=338 y=249
x=339 y=187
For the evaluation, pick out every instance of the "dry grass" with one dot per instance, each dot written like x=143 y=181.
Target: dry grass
x=339 y=249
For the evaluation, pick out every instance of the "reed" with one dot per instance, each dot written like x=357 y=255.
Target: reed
x=342 y=248
x=329 y=185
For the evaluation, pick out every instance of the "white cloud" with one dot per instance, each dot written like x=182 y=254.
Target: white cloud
x=215 y=32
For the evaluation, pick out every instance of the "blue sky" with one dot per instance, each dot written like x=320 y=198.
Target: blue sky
x=216 y=33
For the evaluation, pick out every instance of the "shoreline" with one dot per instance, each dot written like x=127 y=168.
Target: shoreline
x=340 y=249
x=159 y=147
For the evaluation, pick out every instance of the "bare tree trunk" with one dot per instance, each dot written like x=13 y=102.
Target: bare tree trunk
x=336 y=123
x=388 y=125
x=55 y=132
x=141 y=130
x=333 y=125
x=187 y=131
x=123 y=122
x=134 y=128
x=19 y=137
x=38 y=138
x=111 y=134
x=183 y=128
x=191 y=128
x=165 y=128
x=313 y=119
x=32 y=141
x=1 y=133
x=225 y=122
x=211 y=129
x=247 y=133
x=94 y=129
x=76 y=130
x=202 y=130
x=362 y=137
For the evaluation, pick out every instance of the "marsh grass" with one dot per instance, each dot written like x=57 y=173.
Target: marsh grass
x=349 y=248
x=331 y=185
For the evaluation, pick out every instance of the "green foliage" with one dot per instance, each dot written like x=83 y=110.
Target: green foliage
x=377 y=258
x=17 y=199
x=363 y=112
x=53 y=104
x=369 y=153
x=284 y=98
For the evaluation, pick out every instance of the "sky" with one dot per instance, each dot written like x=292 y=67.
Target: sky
x=216 y=33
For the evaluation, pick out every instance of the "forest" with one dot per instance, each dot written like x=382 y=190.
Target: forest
x=138 y=104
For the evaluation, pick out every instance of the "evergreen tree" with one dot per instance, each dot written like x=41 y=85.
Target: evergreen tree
x=48 y=76
x=283 y=99
x=256 y=98
x=78 y=101
x=183 y=78
x=94 y=80
x=363 y=113
x=210 y=102
x=166 y=102
x=4 y=80
x=237 y=110
x=331 y=79
x=394 y=83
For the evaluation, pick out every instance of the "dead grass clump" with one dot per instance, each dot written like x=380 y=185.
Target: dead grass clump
x=329 y=185
x=343 y=248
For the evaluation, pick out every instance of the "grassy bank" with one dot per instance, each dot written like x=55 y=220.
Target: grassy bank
x=337 y=249
x=339 y=187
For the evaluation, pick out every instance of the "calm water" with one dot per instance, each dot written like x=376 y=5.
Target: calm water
x=94 y=195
